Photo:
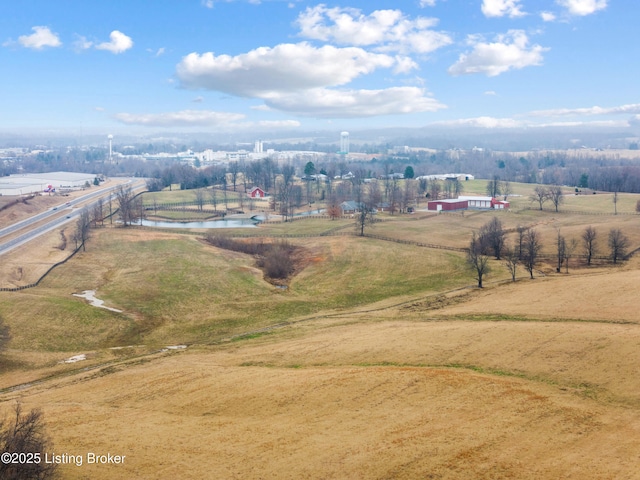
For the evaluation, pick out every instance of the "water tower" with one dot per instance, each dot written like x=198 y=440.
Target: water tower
x=344 y=143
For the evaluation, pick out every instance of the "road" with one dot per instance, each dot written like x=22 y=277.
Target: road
x=34 y=226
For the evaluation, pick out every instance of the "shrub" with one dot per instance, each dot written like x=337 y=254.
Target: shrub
x=25 y=434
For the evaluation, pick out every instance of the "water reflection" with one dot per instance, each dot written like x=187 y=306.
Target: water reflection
x=233 y=223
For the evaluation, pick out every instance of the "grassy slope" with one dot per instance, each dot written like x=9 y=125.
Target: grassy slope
x=364 y=395
x=175 y=289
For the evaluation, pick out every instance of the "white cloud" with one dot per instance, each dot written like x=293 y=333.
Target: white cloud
x=283 y=68
x=509 y=51
x=40 y=38
x=490 y=93
x=384 y=30
x=582 y=7
x=184 y=118
x=119 y=42
x=327 y=103
x=277 y=123
x=633 y=108
x=547 y=16
x=481 y=122
x=599 y=124
x=500 y=8
x=81 y=43
x=427 y=3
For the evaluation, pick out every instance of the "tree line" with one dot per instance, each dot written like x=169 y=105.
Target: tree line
x=525 y=249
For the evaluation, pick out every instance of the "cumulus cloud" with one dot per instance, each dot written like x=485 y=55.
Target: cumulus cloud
x=184 y=118
x=582 y=7
x=509 y=51
x=481 y=122
x=81 y=43
x=547 y=16
x=327 y=103
x=500 y=8
x=40 y=38
x=427 y=3
x=277 y=123
x=118 y=43
x=633 y=108
x=383 y=30
x=283 y=68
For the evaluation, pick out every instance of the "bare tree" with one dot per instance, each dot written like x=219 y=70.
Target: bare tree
x=477 y=260
x=554 y=193
x=589 y=237
x=233 y=170
x=25 y=434
x=506 y=189
x=561 y=248
x=531 y=250
x=570 y=247
x=98 y=212
x=364 y=215
x=511 y=260
x=110 y=203
x=494 y=187
x=213 y=193
x=124 y=199
x=83 y=226
x=618 y=244
x=408 y=193
x=492 y=236
x=539 y=195
x=435 y=187
x=521 y=230
x=199 y=192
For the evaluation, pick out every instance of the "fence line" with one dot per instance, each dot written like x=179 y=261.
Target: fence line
x=32 y=285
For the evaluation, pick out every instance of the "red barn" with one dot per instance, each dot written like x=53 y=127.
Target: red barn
x=448 y=204
x=257 y=192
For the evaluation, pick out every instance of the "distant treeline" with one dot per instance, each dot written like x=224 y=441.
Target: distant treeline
x=588 y=170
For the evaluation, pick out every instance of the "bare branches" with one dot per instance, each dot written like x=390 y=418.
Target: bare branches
x=25 y=434
x=478 y=261
x=589 y=242
x=618 y=244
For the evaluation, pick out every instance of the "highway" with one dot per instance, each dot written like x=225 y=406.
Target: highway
x=34 y=226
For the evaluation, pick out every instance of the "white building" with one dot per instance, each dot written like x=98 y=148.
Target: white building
x=29 y=183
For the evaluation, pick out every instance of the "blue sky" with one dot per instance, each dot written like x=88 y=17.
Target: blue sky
x=218 y=65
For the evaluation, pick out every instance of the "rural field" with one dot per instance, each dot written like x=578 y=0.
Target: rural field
x=376 y=358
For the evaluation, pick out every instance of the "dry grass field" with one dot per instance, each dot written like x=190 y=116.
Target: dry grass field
x=380 y=360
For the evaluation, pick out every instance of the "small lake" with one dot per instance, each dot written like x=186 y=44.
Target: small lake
x=234 y=223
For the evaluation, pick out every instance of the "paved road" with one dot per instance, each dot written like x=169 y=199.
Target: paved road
x=70 y=214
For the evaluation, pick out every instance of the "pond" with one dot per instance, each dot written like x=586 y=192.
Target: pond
x=233 y=223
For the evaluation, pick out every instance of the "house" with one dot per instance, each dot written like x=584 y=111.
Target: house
x=448 y=204
x=257 y=192
x=383 y=207
x=350 y=207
